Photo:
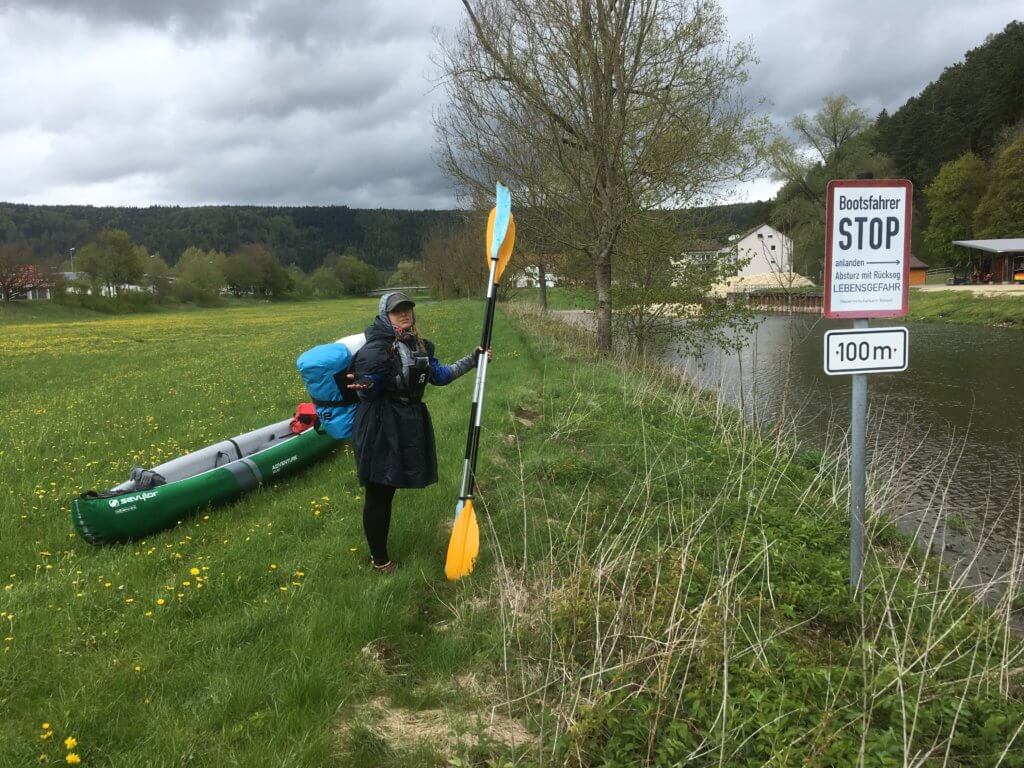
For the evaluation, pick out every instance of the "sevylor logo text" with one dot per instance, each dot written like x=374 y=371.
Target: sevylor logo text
x=282 y=464
x=129 y=499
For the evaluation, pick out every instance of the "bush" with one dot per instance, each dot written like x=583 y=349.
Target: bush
x=356 y=276
x=124 y=304
x=187 y=293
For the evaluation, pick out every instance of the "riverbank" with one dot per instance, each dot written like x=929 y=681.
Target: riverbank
x=932 y=305
x=965 y=308
x=658 y=583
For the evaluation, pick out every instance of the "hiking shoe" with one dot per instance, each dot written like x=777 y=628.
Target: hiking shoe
x=389 y=567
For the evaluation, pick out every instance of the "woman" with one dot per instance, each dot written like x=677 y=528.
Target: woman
x=393 y=438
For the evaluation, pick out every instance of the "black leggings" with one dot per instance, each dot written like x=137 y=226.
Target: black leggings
x=377 y=519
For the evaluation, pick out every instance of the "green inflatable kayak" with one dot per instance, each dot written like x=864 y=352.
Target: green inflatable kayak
x=155 y=499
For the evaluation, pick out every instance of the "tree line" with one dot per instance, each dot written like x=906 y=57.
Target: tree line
x=299 y=236
x=111 y=265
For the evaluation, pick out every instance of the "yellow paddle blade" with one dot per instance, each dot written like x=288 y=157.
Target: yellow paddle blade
x=505 y=250
x=464 y=545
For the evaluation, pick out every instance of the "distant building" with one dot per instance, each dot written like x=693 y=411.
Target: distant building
x=765 y=253
x=995 y=261
x=918 y=271
x=530 y=278
x=79 y=283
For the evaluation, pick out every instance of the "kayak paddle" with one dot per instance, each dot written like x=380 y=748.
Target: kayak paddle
x=464 y=545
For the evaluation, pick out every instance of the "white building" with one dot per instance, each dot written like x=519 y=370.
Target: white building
x=765 y=256
x=530 y=278
x=765 y=250
x=81 y=279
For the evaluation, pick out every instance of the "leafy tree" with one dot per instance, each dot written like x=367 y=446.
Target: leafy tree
x=241 y=274
x=255 y=270
x=355 y=275
x=204 y=270
x=648 y=303
x=326 y=285
x=407 y=273
x=1000 y=213
x=112 y=259
x=158 y=275
x=952 y=198
x=301 y=283
x=834 y=143
x=605 y=111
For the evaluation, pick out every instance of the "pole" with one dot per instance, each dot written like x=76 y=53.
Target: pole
x=72 y=260
x=858 y=430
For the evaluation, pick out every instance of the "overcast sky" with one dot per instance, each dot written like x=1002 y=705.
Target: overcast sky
x=328 y=102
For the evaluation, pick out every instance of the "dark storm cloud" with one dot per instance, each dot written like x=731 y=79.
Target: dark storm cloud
x=326 y=101
x=877 y=52
x=287 y=103
x=161 y=13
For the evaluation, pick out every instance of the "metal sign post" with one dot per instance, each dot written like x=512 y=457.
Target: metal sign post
x=867 y=268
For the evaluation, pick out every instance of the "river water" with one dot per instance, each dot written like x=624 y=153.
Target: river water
x=945 y=437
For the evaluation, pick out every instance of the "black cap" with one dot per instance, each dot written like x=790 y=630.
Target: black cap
x=395 y=299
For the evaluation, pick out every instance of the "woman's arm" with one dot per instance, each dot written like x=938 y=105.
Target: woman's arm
x=446 y=374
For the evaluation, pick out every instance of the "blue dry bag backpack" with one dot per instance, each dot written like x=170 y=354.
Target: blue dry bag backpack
x=323 y=369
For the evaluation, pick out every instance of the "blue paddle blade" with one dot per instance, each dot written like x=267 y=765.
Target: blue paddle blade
x=503 y=212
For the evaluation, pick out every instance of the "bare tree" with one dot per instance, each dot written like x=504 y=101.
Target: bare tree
x=600 y=110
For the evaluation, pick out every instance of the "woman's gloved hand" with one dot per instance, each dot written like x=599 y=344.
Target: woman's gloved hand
x=363 y=383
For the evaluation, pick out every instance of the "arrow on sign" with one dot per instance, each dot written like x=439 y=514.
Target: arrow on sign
x=883 y=262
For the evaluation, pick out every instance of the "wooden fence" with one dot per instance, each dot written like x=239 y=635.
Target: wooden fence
x=800 y=303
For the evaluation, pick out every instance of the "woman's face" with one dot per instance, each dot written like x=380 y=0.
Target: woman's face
x=401 y=317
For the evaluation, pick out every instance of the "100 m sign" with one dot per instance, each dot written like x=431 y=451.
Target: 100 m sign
x=865 y=350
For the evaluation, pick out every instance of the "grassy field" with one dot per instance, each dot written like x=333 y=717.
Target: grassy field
x=659 y=584
x=963 y=308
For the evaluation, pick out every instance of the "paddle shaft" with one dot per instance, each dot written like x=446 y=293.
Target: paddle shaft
x=476 y=408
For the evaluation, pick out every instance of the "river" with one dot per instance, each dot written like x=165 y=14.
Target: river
x=945 y=437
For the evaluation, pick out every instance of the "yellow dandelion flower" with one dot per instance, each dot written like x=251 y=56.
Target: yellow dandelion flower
x=273 y=566
x=70 y=742
x=45 y=726
x=72 y=759
x=160 y=601
x=148 y=613
x=353 y=549
x=46 y=735
x=138 y=668
x=194 y=571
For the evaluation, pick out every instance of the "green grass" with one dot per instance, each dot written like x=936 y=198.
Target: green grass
x=17 y=312
x=648 y=564
x=963 y=308
x=238 y=671
x=558 y=298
